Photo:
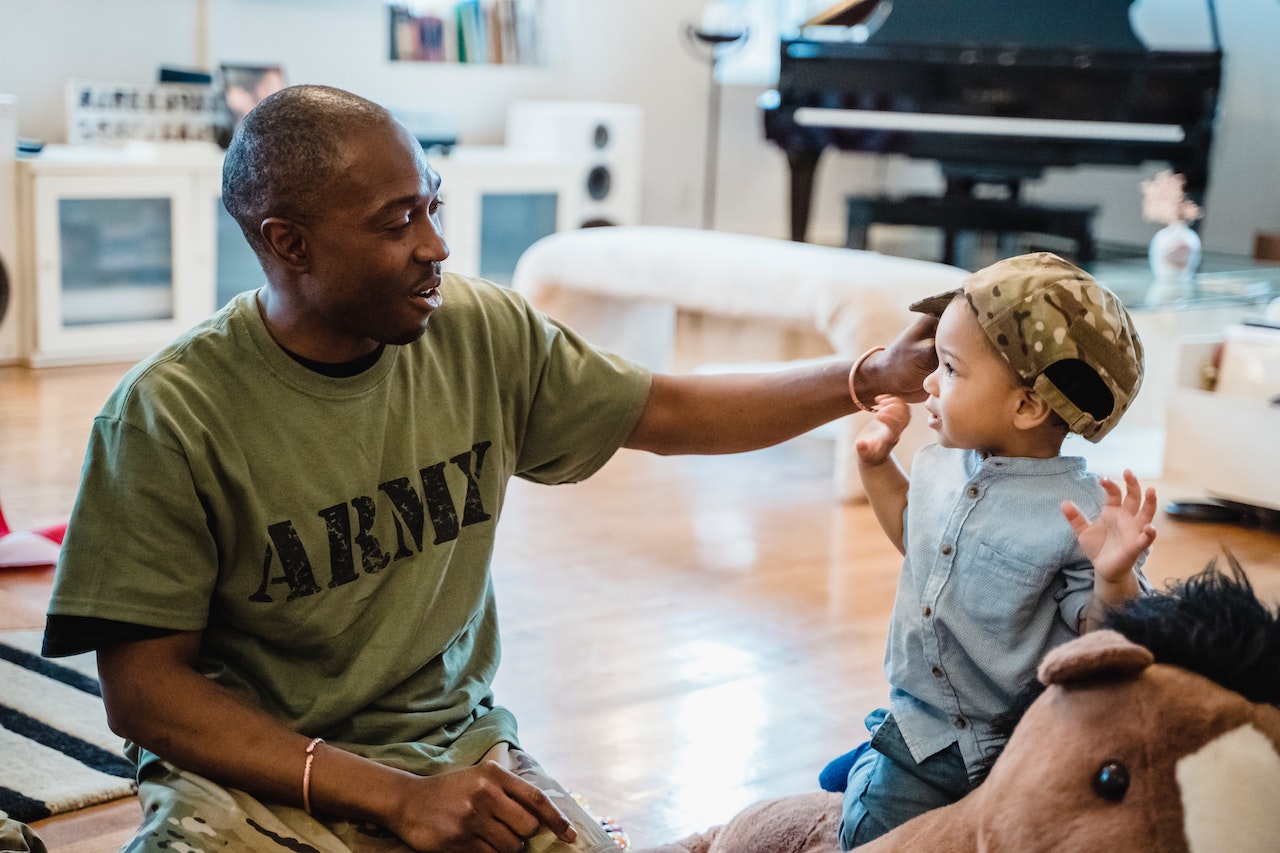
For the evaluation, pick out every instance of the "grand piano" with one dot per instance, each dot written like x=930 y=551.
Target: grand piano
x=995 y=91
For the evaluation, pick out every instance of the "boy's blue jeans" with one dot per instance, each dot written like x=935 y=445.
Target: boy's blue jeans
x=887 y=787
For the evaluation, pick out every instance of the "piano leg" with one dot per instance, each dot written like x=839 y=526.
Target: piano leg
x=958 y=188
x=803 y=163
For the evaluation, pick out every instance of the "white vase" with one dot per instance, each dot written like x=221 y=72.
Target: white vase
x=1175 y=257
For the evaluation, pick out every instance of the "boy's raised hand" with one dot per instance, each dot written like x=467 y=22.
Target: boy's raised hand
x=1121 y=532
x=877 y=439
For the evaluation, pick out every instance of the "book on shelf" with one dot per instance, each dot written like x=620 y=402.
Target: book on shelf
x=470 y=31
x=472 y=40
x=527 y=35
x=509 y=43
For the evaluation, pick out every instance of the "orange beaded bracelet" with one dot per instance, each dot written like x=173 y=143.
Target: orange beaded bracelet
x=853 y=373
x=306 y=774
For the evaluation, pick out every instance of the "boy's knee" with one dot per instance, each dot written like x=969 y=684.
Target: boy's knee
x=854 y=812
x=859 y=826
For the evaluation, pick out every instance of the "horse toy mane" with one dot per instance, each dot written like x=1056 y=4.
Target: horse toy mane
x=1214 y=625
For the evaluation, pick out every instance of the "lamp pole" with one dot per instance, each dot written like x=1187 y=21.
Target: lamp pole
x=711 y=44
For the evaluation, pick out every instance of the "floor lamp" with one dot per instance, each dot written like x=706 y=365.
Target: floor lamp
x=716 y=33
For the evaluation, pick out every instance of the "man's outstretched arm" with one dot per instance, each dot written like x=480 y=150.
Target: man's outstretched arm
x=730 y=413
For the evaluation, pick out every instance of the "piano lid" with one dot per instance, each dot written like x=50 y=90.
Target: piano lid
x=1080 y=25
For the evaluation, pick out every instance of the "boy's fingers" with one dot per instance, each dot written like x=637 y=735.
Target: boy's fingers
x=1133 y=490
x=1074 y=517
x=1112 y=489
x=1148 y=511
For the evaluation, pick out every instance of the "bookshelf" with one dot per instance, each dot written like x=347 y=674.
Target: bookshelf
x=489 y=32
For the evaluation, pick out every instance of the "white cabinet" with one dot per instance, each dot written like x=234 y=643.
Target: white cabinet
x=10 y=296
x=123 y=249
x=1223 y=443
x=120 y=249
x=499 y=201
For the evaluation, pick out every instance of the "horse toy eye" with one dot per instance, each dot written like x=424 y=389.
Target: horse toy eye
x=1111 y=782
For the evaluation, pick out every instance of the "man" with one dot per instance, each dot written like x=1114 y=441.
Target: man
x=280 y=550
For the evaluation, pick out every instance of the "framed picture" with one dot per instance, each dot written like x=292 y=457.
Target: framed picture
x=241 y=88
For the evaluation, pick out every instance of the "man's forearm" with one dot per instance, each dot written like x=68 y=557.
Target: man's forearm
x=169 y=708
x=731 y=413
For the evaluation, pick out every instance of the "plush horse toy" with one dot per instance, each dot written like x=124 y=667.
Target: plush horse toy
x=1161 y=733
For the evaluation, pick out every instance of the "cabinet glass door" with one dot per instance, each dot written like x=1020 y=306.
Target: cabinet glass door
x=509 y=224
x=117 y=260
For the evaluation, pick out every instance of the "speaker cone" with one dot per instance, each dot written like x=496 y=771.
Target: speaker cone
x=598 y=181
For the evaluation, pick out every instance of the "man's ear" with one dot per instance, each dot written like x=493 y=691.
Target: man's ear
x=287 y=242
x=1032 y=409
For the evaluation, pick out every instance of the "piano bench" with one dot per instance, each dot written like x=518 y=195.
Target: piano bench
x=955 y=214
x=691 y=299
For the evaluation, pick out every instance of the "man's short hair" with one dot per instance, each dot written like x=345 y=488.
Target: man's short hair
x=283 y=155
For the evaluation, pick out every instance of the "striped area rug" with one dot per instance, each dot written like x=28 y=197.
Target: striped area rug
x=56 y=752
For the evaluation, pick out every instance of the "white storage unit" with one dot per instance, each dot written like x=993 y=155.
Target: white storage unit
x=498 y=201
x=125 y=248
x=11 y=324
x=118 y=249
x=1222 y=442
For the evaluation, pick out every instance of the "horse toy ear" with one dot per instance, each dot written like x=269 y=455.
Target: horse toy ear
x=1097 y=654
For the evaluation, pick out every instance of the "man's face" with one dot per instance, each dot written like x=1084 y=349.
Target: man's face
x=973 y=393
x=375 y=249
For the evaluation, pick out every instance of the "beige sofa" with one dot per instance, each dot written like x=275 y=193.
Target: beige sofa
x=689 y=299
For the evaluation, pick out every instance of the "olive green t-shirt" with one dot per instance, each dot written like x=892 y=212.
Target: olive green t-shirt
x=332 y=536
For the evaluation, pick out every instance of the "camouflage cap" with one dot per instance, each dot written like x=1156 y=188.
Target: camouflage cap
x=1058 y=328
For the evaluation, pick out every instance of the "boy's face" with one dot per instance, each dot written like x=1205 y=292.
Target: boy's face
x=974 y=393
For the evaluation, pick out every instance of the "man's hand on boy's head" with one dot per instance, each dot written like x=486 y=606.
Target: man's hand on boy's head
x=1115 y=540
x=877 y=439
x=901 y=368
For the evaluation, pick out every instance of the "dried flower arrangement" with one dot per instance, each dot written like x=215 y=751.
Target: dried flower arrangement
x=1164 y=200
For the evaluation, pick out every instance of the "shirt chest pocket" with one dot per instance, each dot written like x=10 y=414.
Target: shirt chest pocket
x=999 y=593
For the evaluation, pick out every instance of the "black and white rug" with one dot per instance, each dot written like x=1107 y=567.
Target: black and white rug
x=56 y=752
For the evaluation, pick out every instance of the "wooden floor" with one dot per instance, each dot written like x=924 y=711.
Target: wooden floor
x=682 y=636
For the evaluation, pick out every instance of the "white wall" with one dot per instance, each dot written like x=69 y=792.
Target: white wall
x=616 y=50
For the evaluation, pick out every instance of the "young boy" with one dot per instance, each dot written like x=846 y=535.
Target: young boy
x=1001 y=563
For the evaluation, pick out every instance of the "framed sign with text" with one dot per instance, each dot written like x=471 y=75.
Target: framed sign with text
x=107 y=114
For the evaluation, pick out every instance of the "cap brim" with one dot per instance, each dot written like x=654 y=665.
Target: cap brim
x=935 y=305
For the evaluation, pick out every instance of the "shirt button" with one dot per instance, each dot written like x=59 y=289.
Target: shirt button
x=946 y=550
x=928 y=611
x=937 y=671
x=972 y=491
x=960 y=722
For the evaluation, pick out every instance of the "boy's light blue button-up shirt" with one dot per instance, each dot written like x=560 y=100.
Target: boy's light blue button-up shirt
x=993 y=579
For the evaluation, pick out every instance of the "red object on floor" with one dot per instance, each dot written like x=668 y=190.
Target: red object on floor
x=28 y=548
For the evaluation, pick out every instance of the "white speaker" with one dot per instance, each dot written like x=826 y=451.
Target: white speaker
x=10 y=313
x=607 y=138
